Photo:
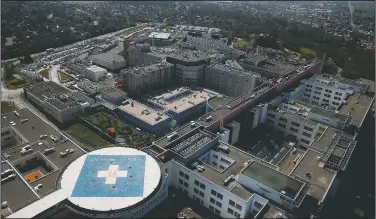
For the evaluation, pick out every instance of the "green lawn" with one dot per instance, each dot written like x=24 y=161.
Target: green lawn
x=167 y=27
x=306 y=51
x=16 y=83
x=240 y=43
x=45 y=73
x=7 y=107
x=133 y=137
x=64 y=77
x=87 y=136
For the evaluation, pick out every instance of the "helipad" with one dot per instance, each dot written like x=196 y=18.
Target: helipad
x=111 y=179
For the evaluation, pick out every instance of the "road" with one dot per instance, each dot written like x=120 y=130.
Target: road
x=54 y=74
x=83 y=41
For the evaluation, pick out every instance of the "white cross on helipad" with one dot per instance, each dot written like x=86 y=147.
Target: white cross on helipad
x=112 y=174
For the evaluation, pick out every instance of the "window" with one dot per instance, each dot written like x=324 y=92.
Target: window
x=308 y=90
x=281 y=125
x=186 y=176
x=335 y=103
x=186 y=184
x=231 y=202
x=181 y=173
x=202 y=186
x=217 y=211
x=325 y=100
x=307 y=135
x=195 y=190
x=282 y=119
x=295 y=124
x=214 y=163
x=239 y=207
x=197 y=183
x=318 y=88
x=308 y=128
x=212 y=200
x=202 y=194
x=211 y=208
x=258 y=205
x=215 y=156
x=328 y=91
x=321 y=128
x=316 y=98
x=236 y=214
x=213 y=192
x=218 y=204
x=220 y=196
x=180 y=181
x=294 y=130
x=229 y=210
x=327 y=95
x=222 y=167
x=304 y=141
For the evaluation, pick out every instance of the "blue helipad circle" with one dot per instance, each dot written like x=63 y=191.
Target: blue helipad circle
x=111 y=178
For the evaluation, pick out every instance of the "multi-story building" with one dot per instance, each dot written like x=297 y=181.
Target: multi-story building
x=145 y=79
x=182 y=103
x=144 y=117
x=230 y=81
x=95 y=73
x=114 y=95
x=328 y=91
x=58 y=102
x=109 y=61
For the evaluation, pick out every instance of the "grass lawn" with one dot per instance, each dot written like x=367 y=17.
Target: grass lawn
x=45 y=73
x=7 y=107
x=87 y=136
x=306 y=51
x=240 y=43
x=64 y=77
x=18 y=82
x=167 y=27
x=133 y=137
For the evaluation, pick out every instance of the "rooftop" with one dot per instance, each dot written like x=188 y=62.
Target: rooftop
x=113 y=92
x=20 y=192
x=159 y=35
x=272 y=211
x=357 y=106
x=273 y=179
x=143 y=112
x=330 y=114
x=108 y=57
x=218 y=175
x=147 y=69
x=56 y=95
x=289 y=162
x=322 y=141
x=216 y=102
x=181 y=99
x=16 y=192
x=164 y=141
x=95 y=68
x=179 y=205
x=320 y=177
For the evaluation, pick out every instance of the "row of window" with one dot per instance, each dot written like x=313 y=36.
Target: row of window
x=195 y=190
x=212 y=200
x=5 y=133
x=213 y=209
x=236 y=205
x=225 y=161
x=232 y=212
x=217 y=194
x=182 y=174
x=197 y=183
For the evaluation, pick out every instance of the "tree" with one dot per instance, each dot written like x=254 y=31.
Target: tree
x=26 y=59
x=9 y=70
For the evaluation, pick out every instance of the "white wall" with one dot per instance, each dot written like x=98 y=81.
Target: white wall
x=10 y=136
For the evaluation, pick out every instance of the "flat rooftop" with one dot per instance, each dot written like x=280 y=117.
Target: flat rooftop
x=16 y=192
x=321 y=143
x=159 y=35
x=329 y=114
x=95 y=68
x=163 y=142
x=143 y=112
x=216 y=102
x=287 y=165
x=273 y=179
x=179 y=205
x=357 y=107
x=272 y=211
x=107 y=57
x=181 y=99
x=218 y=177
x=32 y=135
x=56 y=95
x=320 y=177
x=147 y=69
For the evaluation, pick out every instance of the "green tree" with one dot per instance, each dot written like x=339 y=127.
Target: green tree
x=9 y=70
